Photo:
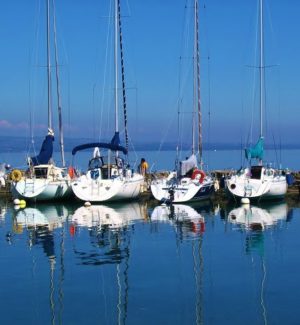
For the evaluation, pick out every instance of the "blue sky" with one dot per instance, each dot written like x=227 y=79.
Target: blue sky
x=152 y=39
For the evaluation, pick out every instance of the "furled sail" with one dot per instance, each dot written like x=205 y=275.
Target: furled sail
x=257 y=151
x=188 y=164
x=45 y=153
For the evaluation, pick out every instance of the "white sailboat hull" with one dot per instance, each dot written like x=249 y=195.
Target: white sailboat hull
x=183 y=190
x=45 y=183
x=269 y=186
x=41 y=189
x=102 y=190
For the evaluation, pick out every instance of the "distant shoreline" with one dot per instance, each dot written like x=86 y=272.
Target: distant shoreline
x=17 y=144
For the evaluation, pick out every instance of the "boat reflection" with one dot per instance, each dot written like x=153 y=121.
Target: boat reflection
x=112 y=217
x=256 y=218
x=254 y=223
x=43 y=216
x=109 y=228
x=39 y=224
x=188 y=221
x=189 y=225
x=3 y=209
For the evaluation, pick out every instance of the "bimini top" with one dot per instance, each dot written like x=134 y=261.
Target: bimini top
x=113 y=145
x=99 y=145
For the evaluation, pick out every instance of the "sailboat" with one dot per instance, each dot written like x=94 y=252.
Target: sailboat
x=257 y=182
x=44 y=181
x=109 y=176
x=188 y=183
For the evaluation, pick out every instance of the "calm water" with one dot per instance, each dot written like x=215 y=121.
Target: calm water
x=138 y=263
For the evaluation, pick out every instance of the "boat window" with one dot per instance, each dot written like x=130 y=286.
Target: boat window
x=119 y=162
x=40 y=172
x=106 y=172
x=256 y=172
x=95 y=163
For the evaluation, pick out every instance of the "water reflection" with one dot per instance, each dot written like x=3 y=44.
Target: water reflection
x=188 y=222
x=39 y=224
x=3 y=210
x=109 y=230
x=255 y=222
x=258 y=218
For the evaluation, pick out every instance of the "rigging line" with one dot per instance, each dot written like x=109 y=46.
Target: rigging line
x=33 y=56
x=60 y=123
x=275 y=149
x=123 y=76
x=132 y=150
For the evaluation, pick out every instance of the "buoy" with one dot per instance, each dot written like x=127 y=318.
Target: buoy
x=87 y=204
x=245 y=200
x=22 y=203
x=16 y=201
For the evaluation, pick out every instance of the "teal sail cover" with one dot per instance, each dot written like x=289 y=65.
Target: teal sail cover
x=257 y=151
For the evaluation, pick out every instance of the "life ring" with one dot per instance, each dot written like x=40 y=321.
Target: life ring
x=198 y=175
x=16 y=175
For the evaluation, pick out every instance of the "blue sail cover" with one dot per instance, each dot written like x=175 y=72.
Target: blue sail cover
x=257 y=151
x=116 y=139
x=45 y=153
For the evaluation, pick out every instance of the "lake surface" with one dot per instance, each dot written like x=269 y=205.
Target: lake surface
x=138 y=263
x=165 y=160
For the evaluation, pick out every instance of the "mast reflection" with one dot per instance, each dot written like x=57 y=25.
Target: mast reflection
x=190 y=227
x=39 y=224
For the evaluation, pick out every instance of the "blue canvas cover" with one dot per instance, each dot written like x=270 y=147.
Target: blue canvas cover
x=45 y=153
x=257 y=151
x=116 y=139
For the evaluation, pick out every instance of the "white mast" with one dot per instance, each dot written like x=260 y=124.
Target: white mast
x=261 y=67
x=49 y=66
x=61 y=137
x=116 y=67
x=195 y=81
x=198 y=81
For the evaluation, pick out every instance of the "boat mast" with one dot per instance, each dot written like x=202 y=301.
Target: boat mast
x=261 y=67
x=123 y=75
x=61 y=137
x=116 y=67
x=198 y=81
x=49 y=67
x=194 y=81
